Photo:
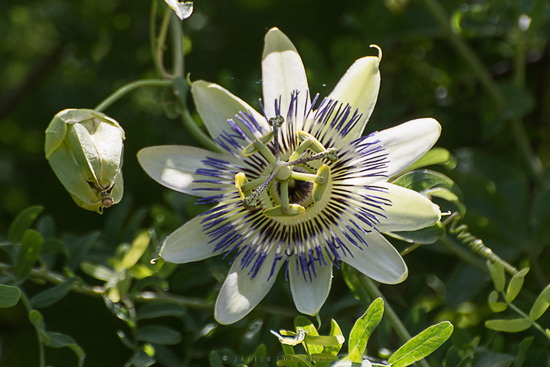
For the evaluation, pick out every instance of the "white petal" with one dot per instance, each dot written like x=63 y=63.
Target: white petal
x=216 y=105
x=379 y=261
x=309 y=296
x=407 y=142
x=187 y=243
x=174 y=166
x=240 y=293
x=409 y=211
x=282 y=73
x=359 y=87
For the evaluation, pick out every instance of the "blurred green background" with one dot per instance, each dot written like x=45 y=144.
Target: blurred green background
x=58 y=54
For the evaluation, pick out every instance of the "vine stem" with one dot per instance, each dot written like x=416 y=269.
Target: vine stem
x=472 y=60
x=398 y=326
x=130 y=87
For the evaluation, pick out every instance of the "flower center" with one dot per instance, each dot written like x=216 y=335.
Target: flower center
x=292 y=184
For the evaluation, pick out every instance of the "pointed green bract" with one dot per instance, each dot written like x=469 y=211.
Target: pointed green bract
x=421 y=345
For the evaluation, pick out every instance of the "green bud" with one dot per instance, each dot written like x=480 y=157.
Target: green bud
x=84 y=148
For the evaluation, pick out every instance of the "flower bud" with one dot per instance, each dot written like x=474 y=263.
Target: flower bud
x=84 y=148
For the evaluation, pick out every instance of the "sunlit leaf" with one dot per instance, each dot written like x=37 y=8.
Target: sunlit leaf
x=541 y=304
x=422 y=345
x=435 y=156
x=364 y=326
x=514 y=287
x=335 y=331
x=510 y=325
x=97 y=271
x=305 y=324
x=9 y=296
x=139 y=245
x=494 y=304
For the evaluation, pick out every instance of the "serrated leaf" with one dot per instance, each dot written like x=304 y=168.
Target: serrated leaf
x=541 y=304
x=53 y=294
x=31 y=245
x=494 y=304
x=509 y=325
x=163 y=309
x=497 y=274
x=514 y=287
x=9 y=295
x=157 y=334
x=422 y=345
x=22 y=222
x=365 y=325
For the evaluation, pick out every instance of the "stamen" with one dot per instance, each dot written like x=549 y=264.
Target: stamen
x=275 y=123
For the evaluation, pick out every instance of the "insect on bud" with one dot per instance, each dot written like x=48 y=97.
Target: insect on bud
x=85 y=148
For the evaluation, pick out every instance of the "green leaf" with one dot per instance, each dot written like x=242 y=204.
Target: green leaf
x=510 y=325
x=422 y=345
x=53 y=294
x=515 y=284
x=541 y=304
x=335 y=331
x=435 y=156
x=142 y=359
x=424 y=236
x=522 y=350
x=58 y=340
x=303 y=323
x=9 y=296
x=97 y=271
x=261 y=358
x=55 y=340
x=31 y=245
x=156 y=334
x=494 y=304
x=139 y=245
x=433 y=184
x=497 y=273
x=215 y=359
x=364 y=326
x=355 y=356
x=22 y=222
x=160 y=309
